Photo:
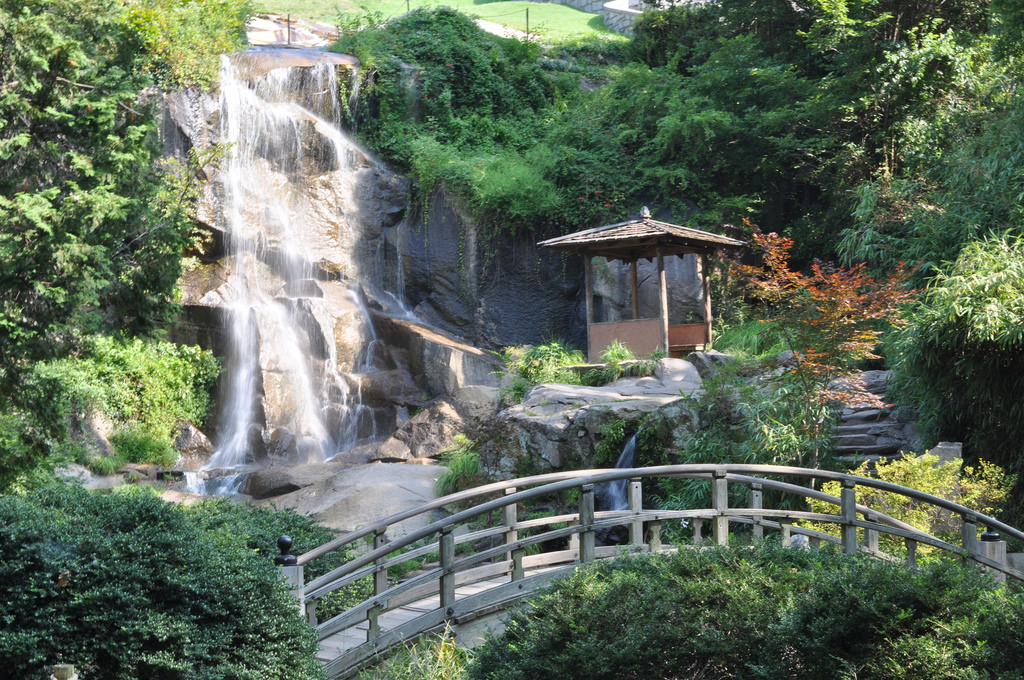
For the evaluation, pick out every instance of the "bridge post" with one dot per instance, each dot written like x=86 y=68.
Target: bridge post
x=755 y=500
x=848 y=503
x=380 y=584
x=586 y=523
x=447 y=548
x=698 y=528
x=870 y=535
x=510 y=516
x=291 y=571
x=911 y=552
x=636 y=505
x=993 y=548
x=720 y=501
x=517 y=564
x=654 y=527
x=969 y=535
x=380 y=576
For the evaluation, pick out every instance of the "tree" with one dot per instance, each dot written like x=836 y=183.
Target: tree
x=92 y=226
x=783 y=108
x=91 y=240
x=830 y=320
x=961 y=357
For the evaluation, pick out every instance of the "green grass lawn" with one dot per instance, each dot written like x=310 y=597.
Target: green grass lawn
x=549 y=21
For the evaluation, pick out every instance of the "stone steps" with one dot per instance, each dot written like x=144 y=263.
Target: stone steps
x=867 y=432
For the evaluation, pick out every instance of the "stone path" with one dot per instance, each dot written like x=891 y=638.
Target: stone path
x=273 y=31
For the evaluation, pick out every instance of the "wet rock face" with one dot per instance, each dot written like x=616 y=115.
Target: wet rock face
x=489 y=290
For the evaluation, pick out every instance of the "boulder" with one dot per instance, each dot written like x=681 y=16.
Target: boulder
x=280 y=480
x=91 y=434
x=425 y=435
x=558 y=426
x=432 y=430
x=709 y=361
x=476 y=402
x=442 y=365
x=193 y=447
x=391 y=450
x=81 y=475
x=354 y=497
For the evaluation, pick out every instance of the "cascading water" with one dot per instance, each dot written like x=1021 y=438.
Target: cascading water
x=614 y=495
x=284 y=388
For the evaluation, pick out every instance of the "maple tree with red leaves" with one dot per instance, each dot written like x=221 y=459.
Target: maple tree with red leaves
x=830 y=319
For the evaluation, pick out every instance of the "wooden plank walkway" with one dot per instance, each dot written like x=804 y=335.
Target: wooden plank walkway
x=338 y=644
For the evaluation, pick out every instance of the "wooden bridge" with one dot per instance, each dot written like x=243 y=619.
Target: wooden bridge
x=485 y=557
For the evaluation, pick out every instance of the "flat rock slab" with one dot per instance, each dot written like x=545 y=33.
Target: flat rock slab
x=359 y=496
x=672 y=378
x=256 y=61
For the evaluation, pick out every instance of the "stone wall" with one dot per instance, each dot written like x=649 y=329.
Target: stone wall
x=619 y=15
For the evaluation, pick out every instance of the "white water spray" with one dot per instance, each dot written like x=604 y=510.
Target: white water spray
x=283 y=382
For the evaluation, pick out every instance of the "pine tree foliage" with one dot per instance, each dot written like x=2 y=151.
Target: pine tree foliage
x=91 y=237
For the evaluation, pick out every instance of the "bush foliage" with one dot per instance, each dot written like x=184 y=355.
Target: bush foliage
x=128 y=586
x=961 y=359
x=526 y=366
x=983 y=488
x=761 y=612
x=484 y=117
x=183 y=39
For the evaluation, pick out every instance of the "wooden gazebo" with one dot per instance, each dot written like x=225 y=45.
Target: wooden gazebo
x=645 y=239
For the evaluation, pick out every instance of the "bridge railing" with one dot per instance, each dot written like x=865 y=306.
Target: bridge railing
x=506 y=556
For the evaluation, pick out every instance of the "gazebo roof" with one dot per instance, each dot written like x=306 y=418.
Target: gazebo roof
x=640 y=238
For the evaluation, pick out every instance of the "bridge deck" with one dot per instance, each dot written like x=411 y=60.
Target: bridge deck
x=339 y=643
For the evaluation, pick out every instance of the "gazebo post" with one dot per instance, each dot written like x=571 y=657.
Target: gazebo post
x=588 y=284
x=663 y=298
x=636 y=289
x=705 y=280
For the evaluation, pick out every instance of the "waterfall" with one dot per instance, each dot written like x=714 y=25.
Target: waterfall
x=284 y=393
x=614 y=495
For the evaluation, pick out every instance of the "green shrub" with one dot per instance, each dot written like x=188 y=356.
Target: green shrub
x=127 y=586
x=143 y=387
x=526 y=366
x=609 y=448
x=754 y=339
x=260 y=527
x=983 y=489
x=761 y=612
x=619 y=360
x=738 y=419
x=137 y=446
x=463 y=467
x=482 y=117
x=435 y=657
x=183 y=39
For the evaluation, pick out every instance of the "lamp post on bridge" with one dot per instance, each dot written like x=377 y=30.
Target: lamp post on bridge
x=291 y=570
